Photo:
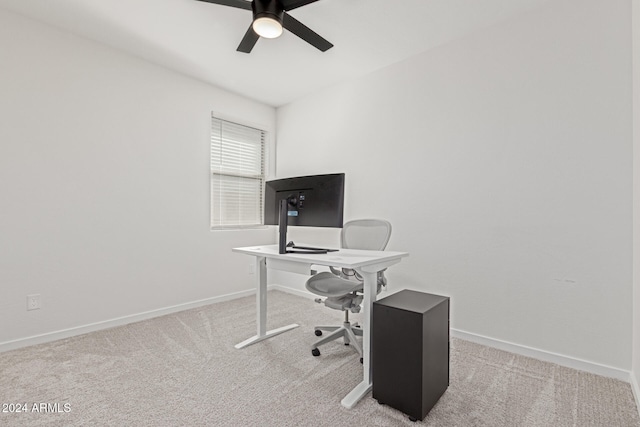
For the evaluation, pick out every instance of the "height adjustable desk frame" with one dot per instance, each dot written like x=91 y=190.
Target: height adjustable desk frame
x=366 y=263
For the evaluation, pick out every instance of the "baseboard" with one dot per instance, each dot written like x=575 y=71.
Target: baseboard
x=636 y=390
x=92 y=327
x=569 y=362
x=559 y=359
x=535 y=353
x=303 y=294
x=307 y=294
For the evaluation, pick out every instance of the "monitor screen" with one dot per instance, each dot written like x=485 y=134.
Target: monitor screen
x=313 y=201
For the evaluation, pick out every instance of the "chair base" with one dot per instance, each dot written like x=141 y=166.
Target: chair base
x=347 y=331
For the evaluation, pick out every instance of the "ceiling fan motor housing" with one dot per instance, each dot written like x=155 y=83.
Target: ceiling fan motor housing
x=268 y=9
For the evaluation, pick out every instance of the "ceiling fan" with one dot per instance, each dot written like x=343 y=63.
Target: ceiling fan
x=269 y=18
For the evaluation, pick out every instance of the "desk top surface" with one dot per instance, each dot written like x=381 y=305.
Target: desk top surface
x=347 y=258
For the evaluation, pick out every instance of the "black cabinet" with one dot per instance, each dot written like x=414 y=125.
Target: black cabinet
x=410 y=351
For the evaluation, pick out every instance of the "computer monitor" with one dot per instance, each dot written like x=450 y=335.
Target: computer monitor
x=312 y=201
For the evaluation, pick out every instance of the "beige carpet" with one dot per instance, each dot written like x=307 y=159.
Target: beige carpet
x=182 y=370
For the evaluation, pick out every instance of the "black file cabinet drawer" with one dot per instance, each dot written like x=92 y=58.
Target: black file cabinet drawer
x=410 y=351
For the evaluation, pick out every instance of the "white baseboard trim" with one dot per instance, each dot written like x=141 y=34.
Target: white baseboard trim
x=636 y=390
x=546 y=356
x=303 y=294
x=92 y=327
x=569 y=362
x=307 y=294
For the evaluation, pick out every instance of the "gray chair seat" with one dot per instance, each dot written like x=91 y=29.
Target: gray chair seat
x=328 y=284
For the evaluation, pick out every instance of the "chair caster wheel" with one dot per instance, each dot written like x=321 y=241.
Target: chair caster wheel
x=346 y=343
x=413 y=419
x=318 y=332
x=315 y=352
x=361 y=360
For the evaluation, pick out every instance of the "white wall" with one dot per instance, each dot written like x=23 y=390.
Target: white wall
x=503 y=161
x=104 y=184
x=636 y=201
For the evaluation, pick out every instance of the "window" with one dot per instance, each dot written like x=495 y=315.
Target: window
x=237 y=174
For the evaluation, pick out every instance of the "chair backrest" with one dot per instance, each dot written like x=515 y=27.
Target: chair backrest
x=369 y=234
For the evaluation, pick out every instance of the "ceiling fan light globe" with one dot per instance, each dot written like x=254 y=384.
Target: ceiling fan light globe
x=268 y=28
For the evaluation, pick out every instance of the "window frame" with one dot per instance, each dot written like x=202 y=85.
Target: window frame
x=266 y=149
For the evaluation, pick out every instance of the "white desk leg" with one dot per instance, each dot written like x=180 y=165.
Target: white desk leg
x=261 y=295
x=261 y=307
x=370 y=291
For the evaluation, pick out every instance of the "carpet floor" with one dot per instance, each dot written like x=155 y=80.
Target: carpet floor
x=183 y=370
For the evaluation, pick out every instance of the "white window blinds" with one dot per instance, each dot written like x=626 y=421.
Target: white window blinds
x=237 y=174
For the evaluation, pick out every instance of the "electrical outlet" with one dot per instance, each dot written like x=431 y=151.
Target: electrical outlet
x=33 y=302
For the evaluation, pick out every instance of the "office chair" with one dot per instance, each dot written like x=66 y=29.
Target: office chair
x=344 y=287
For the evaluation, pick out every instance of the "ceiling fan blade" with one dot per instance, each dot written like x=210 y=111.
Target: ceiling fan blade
x=305 y=33
x=240 y=4
x=248 y=41
x=292 y=4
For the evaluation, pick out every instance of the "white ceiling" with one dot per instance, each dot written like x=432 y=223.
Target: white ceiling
x=199 y=39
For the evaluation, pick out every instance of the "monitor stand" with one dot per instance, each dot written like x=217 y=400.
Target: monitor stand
x=283 y=247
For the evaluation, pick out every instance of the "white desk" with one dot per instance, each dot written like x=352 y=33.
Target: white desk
x=367 y=263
